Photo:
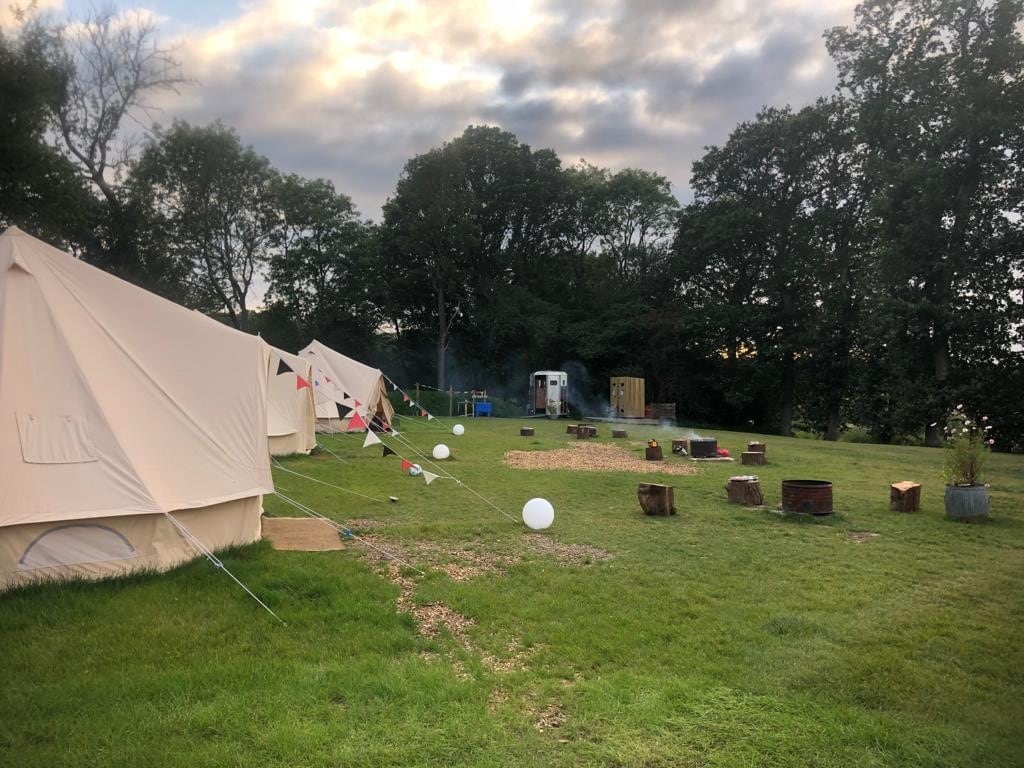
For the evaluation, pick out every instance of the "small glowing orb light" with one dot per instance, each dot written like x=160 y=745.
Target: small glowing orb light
x=538 y=514
x=458 y=430
x=441 y=451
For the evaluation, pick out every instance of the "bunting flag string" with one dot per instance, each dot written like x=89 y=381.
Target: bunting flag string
x=405 y=397
x=406 y=465
x=371 y=439
x=283 y=367
x=429 y=477
x=300 y=382
x=388 y=452
x=356 y=423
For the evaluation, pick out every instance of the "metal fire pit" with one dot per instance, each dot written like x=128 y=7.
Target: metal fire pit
x=703 y=447
x=809 y=497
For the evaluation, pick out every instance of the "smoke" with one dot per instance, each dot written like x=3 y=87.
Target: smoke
x=583 y=395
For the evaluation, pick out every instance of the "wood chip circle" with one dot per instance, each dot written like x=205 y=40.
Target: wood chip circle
x=594 y=457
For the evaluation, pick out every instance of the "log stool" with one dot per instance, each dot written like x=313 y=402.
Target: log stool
x=619 y=433
x=756 y=447
x=656 y=499
x=571 y=429
x=746 y=490
x=653 y=451
x=905 y=496
x=526 y=431
x=583 y=431
x=680 y=446
x=755 y=458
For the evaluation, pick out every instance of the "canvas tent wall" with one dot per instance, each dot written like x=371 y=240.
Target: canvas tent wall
x=116 y=407
x=290 y=411
x=341 y=381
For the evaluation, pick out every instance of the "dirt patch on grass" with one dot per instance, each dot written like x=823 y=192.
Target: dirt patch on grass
x=551 y=717
x=465 y=563
x=569 y=554
x=301 y=534
x=859 y=537
x=593 y=457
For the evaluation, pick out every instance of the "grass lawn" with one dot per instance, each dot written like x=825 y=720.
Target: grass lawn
x=723 y=636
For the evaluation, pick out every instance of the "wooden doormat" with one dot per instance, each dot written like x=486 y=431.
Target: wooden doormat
x=303 y=534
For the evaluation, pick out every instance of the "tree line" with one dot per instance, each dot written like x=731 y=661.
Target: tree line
x=858 y=261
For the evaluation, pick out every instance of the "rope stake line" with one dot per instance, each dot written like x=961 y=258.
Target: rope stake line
x=345 y=531
x=217 y=563
x=323 y=482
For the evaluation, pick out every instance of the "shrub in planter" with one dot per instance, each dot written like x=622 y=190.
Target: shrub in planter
x=967 y=448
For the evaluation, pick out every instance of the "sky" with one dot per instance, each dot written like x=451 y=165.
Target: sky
x=349 y=91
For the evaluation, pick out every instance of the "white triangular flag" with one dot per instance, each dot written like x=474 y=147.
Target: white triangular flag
x=429 y=477
x=430 y=417
x=371 y=439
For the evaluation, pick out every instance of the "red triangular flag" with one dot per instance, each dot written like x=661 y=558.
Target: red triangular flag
x=423 y=413
x=356 y=402
x=406 y=465
x=356 y=422
x=405 y=398
x=327 y=379
x=300 y=382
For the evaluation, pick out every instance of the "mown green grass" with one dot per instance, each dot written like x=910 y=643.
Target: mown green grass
x=723 y=636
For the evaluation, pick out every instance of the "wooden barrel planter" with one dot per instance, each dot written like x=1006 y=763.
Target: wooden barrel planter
x=619 y=433
x=807 y=497
x=526 y=431
x=966 y=503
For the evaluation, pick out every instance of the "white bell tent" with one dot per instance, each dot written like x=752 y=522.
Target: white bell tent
x=342 y=385
x=133 y=430
x=290 y=410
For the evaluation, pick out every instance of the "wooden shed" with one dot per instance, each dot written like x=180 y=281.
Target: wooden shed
x=627 y=397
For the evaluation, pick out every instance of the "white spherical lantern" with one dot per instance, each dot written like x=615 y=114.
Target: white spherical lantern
x=538 y=514
x=441 y=451
x=458 y=430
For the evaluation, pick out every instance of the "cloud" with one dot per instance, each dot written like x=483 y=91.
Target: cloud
x=351 y=91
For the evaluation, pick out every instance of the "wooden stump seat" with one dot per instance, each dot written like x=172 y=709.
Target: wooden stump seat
x=754 y=458
x=746 y=490
x=619 y=433
x=526 y=431
x=656 y=499
x=905 y=496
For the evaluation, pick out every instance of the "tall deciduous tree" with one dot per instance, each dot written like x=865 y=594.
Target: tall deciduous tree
x=430 y=239
x=323 y=279
x=39 y=190
x=939 y=90
x=212 y=204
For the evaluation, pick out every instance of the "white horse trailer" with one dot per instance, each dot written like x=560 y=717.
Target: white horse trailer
x=549 y=394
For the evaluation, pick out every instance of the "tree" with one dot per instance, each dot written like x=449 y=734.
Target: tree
x=429 y=240
x=211 y=203
x=938 y=87
x=39 y=190
x=322 y=276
